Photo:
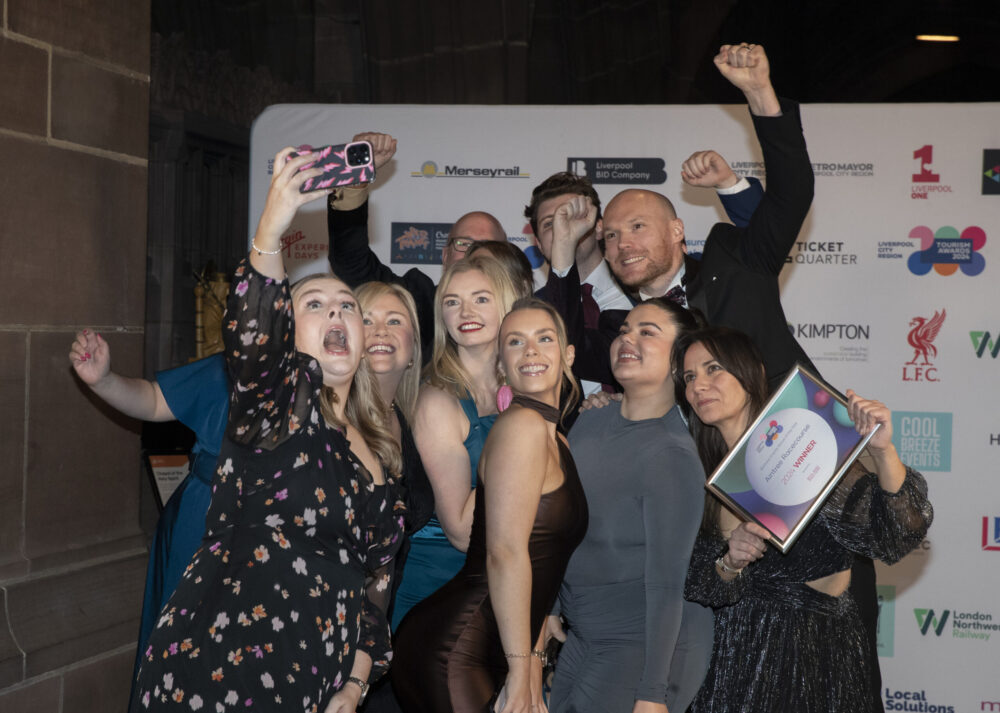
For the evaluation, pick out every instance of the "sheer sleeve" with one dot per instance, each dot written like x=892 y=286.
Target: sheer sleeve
x=374 y=635
x=704 y=585
x=870 y=521
x=272 y=385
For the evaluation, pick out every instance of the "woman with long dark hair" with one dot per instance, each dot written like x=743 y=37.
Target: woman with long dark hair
x=787 y=632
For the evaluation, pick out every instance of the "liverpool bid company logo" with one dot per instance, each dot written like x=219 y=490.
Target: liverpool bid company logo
x=991 y=534
x=639 y=171
x=921 y=337
x=991 y=172
x=926 y=181
x=984 y=344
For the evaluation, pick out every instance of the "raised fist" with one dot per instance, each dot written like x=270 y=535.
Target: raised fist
x=707 y=169
x=383 y=147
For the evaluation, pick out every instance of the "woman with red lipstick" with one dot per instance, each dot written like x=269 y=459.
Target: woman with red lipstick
x=788 y=636
x=283 y=605
x=455 y=410
x=480 y=634
x=633 y=643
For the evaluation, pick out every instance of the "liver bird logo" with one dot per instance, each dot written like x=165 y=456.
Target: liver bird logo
x=922 y=334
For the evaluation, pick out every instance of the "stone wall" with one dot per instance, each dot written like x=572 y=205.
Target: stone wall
x=74 y=108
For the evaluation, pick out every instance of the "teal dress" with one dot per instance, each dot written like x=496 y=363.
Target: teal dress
x=432 y=560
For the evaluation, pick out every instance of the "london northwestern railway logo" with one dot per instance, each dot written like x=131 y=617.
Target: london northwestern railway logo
x=923 y=332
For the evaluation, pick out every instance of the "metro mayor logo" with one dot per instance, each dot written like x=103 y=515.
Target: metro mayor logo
x=429 y=169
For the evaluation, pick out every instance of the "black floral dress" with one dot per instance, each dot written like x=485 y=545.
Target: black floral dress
x=294 y=574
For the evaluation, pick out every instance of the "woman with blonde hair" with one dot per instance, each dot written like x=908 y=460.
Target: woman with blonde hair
x=283 y=605
x=479 y=636
x=454 y=412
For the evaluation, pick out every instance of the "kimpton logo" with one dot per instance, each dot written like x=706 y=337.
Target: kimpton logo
x=921 y=337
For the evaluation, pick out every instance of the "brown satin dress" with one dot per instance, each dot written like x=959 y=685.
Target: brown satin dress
x=447 y=650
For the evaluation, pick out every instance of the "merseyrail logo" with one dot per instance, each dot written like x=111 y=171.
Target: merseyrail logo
x=430 y=169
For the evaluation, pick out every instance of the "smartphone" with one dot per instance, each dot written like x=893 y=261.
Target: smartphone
x=342 y=164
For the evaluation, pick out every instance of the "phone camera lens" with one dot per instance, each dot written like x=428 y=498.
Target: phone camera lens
x=358 y=155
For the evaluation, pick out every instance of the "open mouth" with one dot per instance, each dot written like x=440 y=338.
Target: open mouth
x=632 y=260
x=532 y=369
x=628 y=356
x=470 y=327
x=335 y=340
x=381 y=349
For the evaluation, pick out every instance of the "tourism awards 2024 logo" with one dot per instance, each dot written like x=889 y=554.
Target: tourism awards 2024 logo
x=945 y=250
x=923 y=332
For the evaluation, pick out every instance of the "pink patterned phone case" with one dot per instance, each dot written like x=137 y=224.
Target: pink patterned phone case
x=343 y=165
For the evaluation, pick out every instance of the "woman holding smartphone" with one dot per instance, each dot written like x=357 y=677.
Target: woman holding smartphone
x=283 y=605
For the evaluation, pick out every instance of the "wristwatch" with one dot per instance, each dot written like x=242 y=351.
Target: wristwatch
x=363 y=685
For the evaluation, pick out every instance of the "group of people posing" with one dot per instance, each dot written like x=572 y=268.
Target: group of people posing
x=397 y=477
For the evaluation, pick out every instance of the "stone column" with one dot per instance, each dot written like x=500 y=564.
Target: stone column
x=74 y=107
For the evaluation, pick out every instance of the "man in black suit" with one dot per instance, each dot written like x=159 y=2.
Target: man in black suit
x=734 y=284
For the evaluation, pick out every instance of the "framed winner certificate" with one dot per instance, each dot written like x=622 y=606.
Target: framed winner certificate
x=790 y=458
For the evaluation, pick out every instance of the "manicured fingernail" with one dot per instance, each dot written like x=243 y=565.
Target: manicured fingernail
x=86 y=355
x=85 y=331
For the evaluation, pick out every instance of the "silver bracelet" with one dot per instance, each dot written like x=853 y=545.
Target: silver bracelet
x=253 y=244
x=721 y=564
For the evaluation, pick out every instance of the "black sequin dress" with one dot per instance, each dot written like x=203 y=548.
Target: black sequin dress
x=294 y=574
x=782 y=646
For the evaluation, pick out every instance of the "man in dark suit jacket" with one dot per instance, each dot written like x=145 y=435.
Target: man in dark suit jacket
x=735 y=283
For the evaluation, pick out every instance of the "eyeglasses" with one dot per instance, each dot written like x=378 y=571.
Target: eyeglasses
x=461 y=245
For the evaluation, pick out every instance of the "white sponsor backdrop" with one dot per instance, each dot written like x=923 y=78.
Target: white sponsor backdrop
x=852 y=309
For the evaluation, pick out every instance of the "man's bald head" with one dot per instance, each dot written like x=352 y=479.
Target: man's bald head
x=476 y=226
x=643 y=240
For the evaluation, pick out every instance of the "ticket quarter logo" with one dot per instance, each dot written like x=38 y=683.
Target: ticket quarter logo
x=946 y=250
x=640 y=171
x=923 y=332
x=419 y=243
x=991 y=534
x=991 y=173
